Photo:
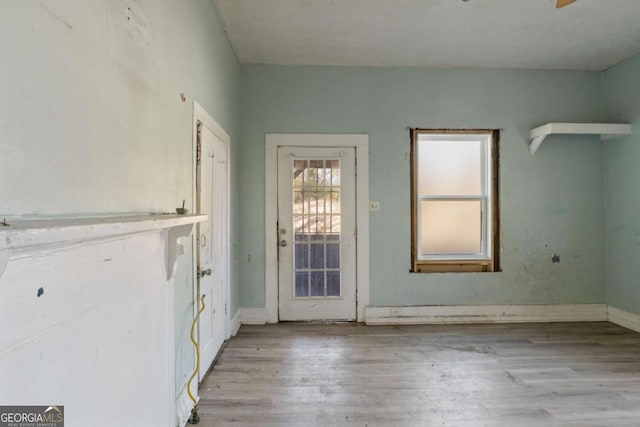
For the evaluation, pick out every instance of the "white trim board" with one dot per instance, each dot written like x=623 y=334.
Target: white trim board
x=253 y=316
x=27 y=238
x=236 y=322
x=458 y=314
x=624 y=319
x=361 y=144
x=248 y=316
x=201 y=115
x=453 y=314
x=184 y=406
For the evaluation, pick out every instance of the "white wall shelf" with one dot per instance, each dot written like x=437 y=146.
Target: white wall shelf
x=21 y=238
x=605 y=130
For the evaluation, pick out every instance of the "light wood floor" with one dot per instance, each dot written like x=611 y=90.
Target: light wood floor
x=563 y=374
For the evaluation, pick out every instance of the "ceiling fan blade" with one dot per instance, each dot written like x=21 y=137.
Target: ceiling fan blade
x=563 y=3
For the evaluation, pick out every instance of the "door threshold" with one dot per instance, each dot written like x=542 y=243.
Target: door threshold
x=312 y=322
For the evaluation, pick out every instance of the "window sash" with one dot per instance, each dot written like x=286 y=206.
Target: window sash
x=484 y=230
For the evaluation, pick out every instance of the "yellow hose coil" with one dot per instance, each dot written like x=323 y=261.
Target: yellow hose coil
x=197 y=347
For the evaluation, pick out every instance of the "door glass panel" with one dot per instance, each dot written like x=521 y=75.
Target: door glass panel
x=316 y=218
x=333 y=283
x=317 y=255
x=302 y=284
x=317 y=283
x=299 y=167
x=334 y=202
x=333 y=255
x=302 y=256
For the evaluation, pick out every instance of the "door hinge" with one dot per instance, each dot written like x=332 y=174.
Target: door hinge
x=225 y=309
x=205 y=272
x=198 y=142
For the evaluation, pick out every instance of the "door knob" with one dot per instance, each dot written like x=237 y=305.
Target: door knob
x=206 y=272
x=283 y=243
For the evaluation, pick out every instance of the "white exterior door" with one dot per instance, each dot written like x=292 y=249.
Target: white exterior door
x=317 y=233
x=212 y=243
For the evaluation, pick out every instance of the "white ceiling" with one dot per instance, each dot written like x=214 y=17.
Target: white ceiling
x=533 y=34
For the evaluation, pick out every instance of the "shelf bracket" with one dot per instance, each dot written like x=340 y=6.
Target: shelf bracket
x=536 y=142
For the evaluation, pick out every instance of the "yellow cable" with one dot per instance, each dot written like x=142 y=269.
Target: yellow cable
x=197 y=347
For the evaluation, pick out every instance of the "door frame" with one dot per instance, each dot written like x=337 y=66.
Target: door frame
x=201 y=115
x=361 y=144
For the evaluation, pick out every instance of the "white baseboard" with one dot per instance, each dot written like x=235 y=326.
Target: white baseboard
x=452 y=314
x=624 y=319
x=253 y=316
x=235 y=323
x=486 y=314
x=183 y=407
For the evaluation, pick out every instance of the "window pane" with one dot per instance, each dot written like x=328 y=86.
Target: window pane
x=333 y=283
x=334 y=205
x=333 y=255
x=298 y=172
x=317 y=255
x=334 y=169
x=450 y=227
x=317 y=284
x=302 y=256
x=449 y=168
x=301 y=227
x=302 y=284
x=316 y=202
x=300 y=202
x=313 y=225
x=320 y=226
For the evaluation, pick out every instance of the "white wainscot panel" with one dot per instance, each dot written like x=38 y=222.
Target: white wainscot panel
x=90 y=326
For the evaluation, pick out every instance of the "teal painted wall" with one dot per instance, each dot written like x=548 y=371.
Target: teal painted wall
x=91 y=119
x=550 y=203
x=622 y=180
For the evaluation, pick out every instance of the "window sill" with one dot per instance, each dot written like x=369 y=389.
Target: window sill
x=454 y=267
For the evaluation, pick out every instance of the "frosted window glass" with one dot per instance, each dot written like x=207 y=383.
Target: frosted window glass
x=450 y=227
x=451 y=168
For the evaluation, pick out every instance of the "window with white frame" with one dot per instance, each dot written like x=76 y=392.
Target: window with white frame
x=454 y=200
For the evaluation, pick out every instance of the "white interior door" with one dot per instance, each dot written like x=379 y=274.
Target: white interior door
x=316 y=233
x=212 y=244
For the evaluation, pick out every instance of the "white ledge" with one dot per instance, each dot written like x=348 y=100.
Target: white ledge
x=22 y=238
x=605 y=130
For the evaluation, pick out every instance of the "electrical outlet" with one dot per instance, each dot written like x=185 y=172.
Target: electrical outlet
x=374 y=206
